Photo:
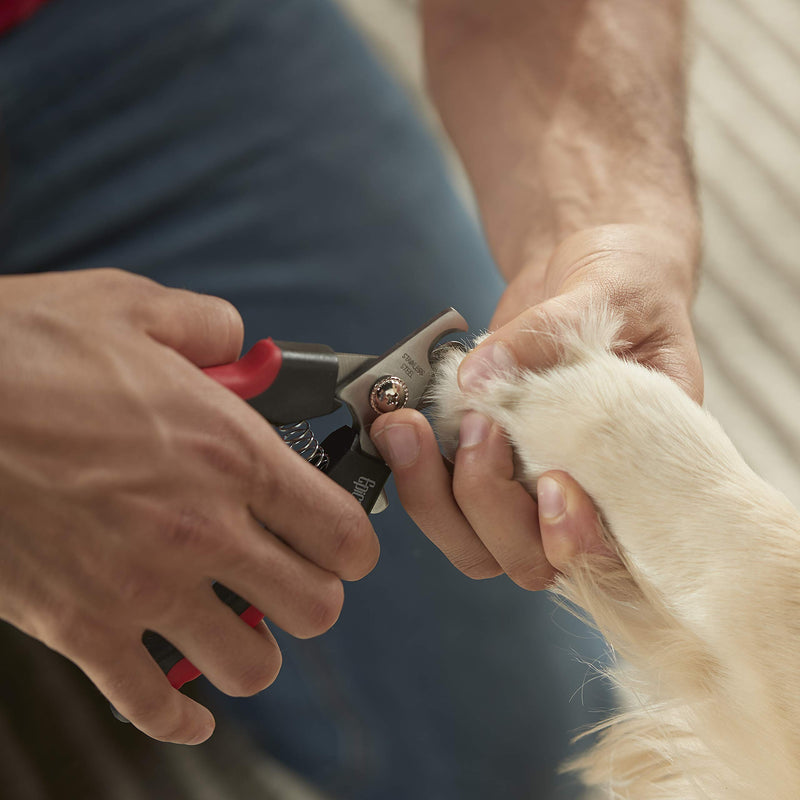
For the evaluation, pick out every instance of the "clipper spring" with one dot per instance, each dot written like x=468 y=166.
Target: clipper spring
x=300 y=437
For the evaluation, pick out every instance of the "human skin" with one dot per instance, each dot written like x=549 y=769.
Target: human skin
x=569 y=118
x=129 y=481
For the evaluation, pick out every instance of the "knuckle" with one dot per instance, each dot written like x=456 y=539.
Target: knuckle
x=152 y=710
x=530 y=574
x=158 y=722
x=227 y=452
x=476 y=565
x=149 y=712
x=138 y=587
x=112 y=277
x=353 y=543
x=266 y=479
x=216 y=318
x=188 y=530
x=228 y=318
x=324 y=608
x=127 y=286
x=70 y=631
x=467 y=486
x=257 y=676
x=150 y=304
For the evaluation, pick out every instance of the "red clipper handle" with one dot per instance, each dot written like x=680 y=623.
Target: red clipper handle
x=253 y=373
x=248 y=377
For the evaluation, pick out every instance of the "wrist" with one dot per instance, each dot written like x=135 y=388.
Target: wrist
x=621 y=254
x=534 y=234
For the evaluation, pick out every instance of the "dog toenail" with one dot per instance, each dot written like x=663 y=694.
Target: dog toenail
x=484 y=363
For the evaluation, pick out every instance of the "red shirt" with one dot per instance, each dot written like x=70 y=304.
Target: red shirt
x=14 y=11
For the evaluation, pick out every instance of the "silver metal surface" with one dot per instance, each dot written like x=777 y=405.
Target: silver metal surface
x=381 y=504
x=350 y=363
x=388 y=394
x=410 y=359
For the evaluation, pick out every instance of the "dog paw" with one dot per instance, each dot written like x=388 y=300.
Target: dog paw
x=703 y=600
x=659 y=468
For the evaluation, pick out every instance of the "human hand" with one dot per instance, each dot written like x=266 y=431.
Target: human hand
x=480 y=517
x=129 y=481
x=641 y=272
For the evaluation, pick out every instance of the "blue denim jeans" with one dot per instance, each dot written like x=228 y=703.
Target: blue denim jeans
x=257 y=150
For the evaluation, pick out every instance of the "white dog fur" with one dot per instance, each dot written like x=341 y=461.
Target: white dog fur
x=703 y=604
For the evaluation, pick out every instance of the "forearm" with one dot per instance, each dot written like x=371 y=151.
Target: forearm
x=568 y=115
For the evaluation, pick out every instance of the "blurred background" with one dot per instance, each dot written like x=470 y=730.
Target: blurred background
x=745 y=132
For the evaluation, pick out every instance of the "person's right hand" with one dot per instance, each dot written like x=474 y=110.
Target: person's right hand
x=129 y=481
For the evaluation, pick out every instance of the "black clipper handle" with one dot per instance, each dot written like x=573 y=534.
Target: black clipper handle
x=362 y=475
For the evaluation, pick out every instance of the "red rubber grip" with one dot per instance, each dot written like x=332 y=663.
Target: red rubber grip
x=183 y=672
x=253 y=373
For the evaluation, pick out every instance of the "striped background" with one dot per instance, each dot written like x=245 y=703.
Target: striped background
x=57 y=739
x=745 y=124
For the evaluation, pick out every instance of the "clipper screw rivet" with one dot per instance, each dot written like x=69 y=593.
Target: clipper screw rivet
x=388 y=394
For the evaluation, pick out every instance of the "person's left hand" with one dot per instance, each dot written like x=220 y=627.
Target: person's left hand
x=480 y=517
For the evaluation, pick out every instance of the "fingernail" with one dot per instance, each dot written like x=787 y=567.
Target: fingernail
x=551 y=498
x=402 y=443
x=484 y=363
x=474 y=429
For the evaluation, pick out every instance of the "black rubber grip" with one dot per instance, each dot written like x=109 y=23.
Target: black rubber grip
x=304 y=387
x=360 y=474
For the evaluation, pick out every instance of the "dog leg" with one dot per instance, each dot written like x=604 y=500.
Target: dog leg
x=704 y=600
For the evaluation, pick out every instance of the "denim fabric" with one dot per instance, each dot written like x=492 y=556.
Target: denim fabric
x=256 y=150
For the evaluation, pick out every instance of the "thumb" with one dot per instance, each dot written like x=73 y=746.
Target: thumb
x=530 y=340
x=568 y=521
x=206 y=330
